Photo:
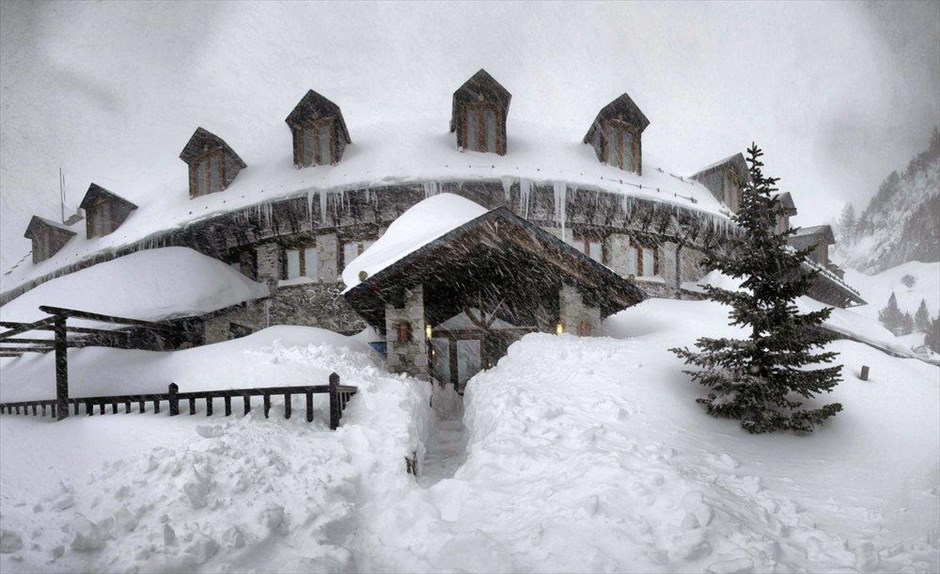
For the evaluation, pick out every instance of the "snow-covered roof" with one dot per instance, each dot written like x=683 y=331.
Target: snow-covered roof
x=737 y=161
x=824 y=230
x=413 y=150
x=152 y=284
x=36 y=220
x=417 y=226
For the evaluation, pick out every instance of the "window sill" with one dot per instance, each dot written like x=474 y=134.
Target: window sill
x=296 y=281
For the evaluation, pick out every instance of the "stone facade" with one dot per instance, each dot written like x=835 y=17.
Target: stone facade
x=408 y=356
x=576 y=317
x=307 y=304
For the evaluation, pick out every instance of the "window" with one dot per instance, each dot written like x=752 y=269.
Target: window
x=40 y=246
x=101 y=219
x=481 y=128
x=404 y=332
x=207 y=175
x=642 y=261
x=620 y=152
x=584 y=329
x=236 y=331
x=593 y=248
x=353 y=249
x=316 y=143
x=300 y=262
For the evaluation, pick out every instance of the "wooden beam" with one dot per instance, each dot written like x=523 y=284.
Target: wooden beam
x=25 y=327
x=69 y=329
x=74 y=314
x=27 y=349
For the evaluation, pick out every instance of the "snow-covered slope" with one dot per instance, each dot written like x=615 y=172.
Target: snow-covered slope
x=877 y=288
x=582 y=454
x=902 y=221
x=148 y=285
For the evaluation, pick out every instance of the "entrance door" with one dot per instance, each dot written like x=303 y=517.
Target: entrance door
x=455 y=360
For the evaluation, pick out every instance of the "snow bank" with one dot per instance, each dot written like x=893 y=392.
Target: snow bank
x=419 y=225
x=149 y=285
x=147 y=493
x=876 y=289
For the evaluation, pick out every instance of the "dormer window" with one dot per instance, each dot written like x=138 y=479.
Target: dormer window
x=478 y=115
x=213 y=165
x=48 y=237
x=208 y=174
x=616 y=134
x=725 y=179
x=319 y=131
x=104 y=211
x=622 y=146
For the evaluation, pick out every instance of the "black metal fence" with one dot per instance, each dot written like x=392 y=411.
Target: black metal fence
x=339 y=396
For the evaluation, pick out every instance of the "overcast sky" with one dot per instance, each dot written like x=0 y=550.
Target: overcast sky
x=838 y=94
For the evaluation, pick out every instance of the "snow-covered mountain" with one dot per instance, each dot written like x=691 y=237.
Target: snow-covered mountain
x=902 y=221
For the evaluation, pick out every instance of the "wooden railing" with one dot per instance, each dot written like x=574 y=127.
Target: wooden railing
x=339 y=396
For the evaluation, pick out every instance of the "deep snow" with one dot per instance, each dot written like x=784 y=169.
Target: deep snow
x=150 y=285
x=581 y=454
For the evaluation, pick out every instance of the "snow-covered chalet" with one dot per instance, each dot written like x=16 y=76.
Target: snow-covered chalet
x=449 y=246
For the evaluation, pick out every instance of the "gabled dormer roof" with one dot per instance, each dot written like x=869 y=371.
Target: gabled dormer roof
x=97 y=193
x=735 y=163
x=817 y=233
x=481 y=87
x=203 y=140
x=786 y=200
x=42 y=225
x=314 y=106
x=623 y=109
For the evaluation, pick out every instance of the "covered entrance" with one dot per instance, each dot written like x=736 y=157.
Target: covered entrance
x=454 y=305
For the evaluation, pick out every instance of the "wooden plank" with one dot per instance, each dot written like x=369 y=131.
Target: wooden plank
x=76 y=314
x=61 y=369
x=25 y=327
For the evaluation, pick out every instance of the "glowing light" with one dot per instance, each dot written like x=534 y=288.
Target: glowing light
x=559 y=328
x=427 y=331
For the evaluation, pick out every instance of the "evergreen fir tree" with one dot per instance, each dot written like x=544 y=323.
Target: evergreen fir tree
x=922 y=317
x=762 y=380
x=891 y=316
x=907 y=324
x=847 y=224
x=932 y=340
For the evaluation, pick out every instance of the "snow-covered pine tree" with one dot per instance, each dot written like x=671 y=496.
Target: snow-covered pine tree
x=761 y=380
x=847 y=223
x=890 y=316
x=922 y=317
x=907 y=324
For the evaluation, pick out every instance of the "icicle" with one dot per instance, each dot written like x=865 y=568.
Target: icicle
x=310 y=205
x=507 y=188
x=525 y=191
x=561 y=199
x=322 y=194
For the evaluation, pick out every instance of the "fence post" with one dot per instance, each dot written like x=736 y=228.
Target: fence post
x=174 y=399
x=246 y=398
x=287 y=405
x=61 y=368
x=864 y=376
x=309 y=406
x=335 y=411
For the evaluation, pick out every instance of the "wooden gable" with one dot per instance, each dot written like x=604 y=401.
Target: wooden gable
x=48 y=237
x=104 y=211
x=213 y=165
x=478 y=114
x=725 y=179
x=318 y=131
x=616 y=134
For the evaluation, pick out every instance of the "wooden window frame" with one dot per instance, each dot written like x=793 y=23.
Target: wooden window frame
x=194 y=170
x=620 y=127
x=360 y=248
x=481 y=126
x=92 y=219
x=657 y=267
x=315 y=125
x=301 y=247
x=583 y=244
x=404 y=332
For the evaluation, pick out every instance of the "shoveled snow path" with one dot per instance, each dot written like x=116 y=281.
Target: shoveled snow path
x=447 y=448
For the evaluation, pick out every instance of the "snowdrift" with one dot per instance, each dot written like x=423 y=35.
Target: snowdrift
x=150 y=285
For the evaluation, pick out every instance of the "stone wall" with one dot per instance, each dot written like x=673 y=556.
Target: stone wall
x=411 y=356
x=573 y=311
x=308 y=304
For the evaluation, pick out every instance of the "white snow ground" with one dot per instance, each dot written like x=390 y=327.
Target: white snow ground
x=582 y=454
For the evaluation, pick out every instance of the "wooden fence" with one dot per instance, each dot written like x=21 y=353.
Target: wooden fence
x=339 y=396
